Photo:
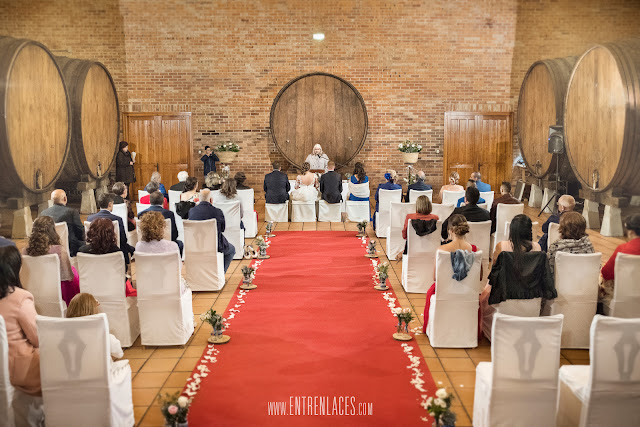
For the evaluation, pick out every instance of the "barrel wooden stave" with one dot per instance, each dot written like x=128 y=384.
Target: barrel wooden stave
x=602 y=116
x=35 y=118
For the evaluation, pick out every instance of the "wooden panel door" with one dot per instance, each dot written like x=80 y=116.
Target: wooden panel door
x=460 y=140
x=176 y=147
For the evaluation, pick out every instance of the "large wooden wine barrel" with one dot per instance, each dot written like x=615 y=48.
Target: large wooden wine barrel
x=320 y=109
x=541 y=104
x=95 y=118
x=34 y=117
x=602 y=117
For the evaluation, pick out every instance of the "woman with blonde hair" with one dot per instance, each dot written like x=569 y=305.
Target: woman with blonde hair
x=228 y=193
x=391 y=176
x=44 y=240
x=85 y=304
x=453 y=185
x=213 y=181
x=306 y=185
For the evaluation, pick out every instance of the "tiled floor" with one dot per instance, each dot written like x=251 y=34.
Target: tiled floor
x=162 y=370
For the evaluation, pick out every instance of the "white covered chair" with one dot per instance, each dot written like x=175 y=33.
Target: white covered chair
x=103 y=277
x=62 y=229
x=167 y=230
x=141 y=207
x=554 y=233
x=385 y=197
x=174 y=198
x=488 y=197
x=443 y=211
x=302 y=211
x=451 y=197
x=414 y=194
x=482 y=206
x=141 y=194
x=507 y=228
x=625 y=302
x=358 y=211
x=120 y=209
x=232 y=231
x=6 y=389
x=345 y=195
x=576 y=277
x=504 y=214
x=249 y=215
x=329 y=212
x=277 y=212
x=606 y=392
x=397 y=214
x=519 y=387
x=204 y=265
x=453 y=311
x=116 y=228
x=40 y=275
x=166 y=314
x=480 y=236
x=419 y=262
x=81 y=386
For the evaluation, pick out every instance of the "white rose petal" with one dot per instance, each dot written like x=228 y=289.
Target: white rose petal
x=442 y=393
x=397 y=310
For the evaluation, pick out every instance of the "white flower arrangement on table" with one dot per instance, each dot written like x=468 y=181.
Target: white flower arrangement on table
x=440 y=408
x=409 y=147
x=174 y=408
x=228 y=146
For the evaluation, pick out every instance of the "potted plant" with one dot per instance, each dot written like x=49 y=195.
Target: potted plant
x=405 y=316
x=174 y=408
x=262 y=245
x=409 y=151
x=218 y=323
x=269 y=229
x=227 y=151
x=383 y=273
x=248 y=274
x=362 y=227
x=371 y=249
x=440 y=409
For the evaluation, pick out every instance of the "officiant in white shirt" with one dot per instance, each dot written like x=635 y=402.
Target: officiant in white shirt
x=317 y=160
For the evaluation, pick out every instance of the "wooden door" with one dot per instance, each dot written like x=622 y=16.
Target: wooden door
x=478 y=142
x=162 y=142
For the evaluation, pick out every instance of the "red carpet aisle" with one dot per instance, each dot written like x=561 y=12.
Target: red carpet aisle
x=314 y=338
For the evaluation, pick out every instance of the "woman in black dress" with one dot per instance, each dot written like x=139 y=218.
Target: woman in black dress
x=124 y=167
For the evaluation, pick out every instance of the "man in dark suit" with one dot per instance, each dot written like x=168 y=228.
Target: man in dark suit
x=6 y=242
x=419 y=185
x=276 y=186
x=470 y=210
x=157 y=199
x=566 y=203
x=61 y=213
x=506 y=198
x=205 y=210
x=182 y=177
x=105 y=203
x=331 y=184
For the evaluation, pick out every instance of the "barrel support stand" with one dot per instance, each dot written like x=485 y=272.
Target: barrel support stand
x=535 y=196
x=614 y=202
x=591 y=213
x=21 y=207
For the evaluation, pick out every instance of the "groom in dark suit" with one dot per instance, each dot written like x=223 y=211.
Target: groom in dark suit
x=276 y=186
x=331 y=184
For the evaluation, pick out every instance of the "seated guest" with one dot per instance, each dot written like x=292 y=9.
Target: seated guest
x=228 y=193
x=419 y=185
x=190 y=193
x=240 y=178
x=156 y=206
x=461 y=201
x=44 y=241
x=454 y=177
x=506 y=198
x=205 y=210
x=482 y=186
x=150 y=188
x=213 y=181
x=573 y=238
x=156 y=177
x=566 y=203
x=19 y=313
x=101 y=239
x=120 y=192
x=470 y=210
x=457 y=230
x=357 y=191
x=276 y=186
x=423 y=212
x=331 y=184
x=85 y=304
x=306 y=185
x=105 y=203
x=632 y=247
x=391 y=177
x=5 y=242
x=182 y=177
x=61 y=213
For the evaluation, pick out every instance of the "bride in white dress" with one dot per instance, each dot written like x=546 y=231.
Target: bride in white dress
x=306 y=185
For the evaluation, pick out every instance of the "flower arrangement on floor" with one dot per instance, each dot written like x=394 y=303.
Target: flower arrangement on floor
x=263 y=244
x=248 y=274
x=440 y=409
x=405 y=316
x=174 y=408
x=382 y=271
x=269 y=229
x=371 y=249
x=362 y=226
x=411 y=177
x=218 y=323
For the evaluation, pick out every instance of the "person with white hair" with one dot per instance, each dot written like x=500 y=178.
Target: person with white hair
x=317 y=159
x=419 y=185
x=566 y=203
x=156 y=177
x=182 y=177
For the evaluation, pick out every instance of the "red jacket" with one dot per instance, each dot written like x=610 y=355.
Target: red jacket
x=632 y=247
x=145 y=201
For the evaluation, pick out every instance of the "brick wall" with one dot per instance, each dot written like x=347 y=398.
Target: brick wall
x=411 y=61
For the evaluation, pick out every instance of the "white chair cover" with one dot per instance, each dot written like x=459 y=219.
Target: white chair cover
x=40 y=275
x=504 y=214
x=232 y=231
x=167 y=230
x=414 y=194
x=120 y=209
x=606 y=392
x=397 y=214
x=418 y=265
x=62 y=229
x=482 y=206
x=174 y=198
x=554 y=233
x=278 y=212
x=141 y=194
x=345 y=195
x=80 y=385
x=443 y=211
x=166 y=314
x=329 y=212
x=103 y=277
x=358 y=211
x=453 y=313
x=292 y=185
x=576 y=277
x=141 y=207
x=116 y=228
x=385 y=197
x=488 y=197
x=480 y=236
x=204 y=265
x=249 y=216
x=519 y=191
x=303 y=211
x=625 y=302
x=507 y=228
x=519 y=387
x=451 y=197
x=6 y=389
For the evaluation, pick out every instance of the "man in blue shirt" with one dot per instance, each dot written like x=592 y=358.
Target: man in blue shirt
x=209 y=160
x=470 y=183
x=482 y=186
